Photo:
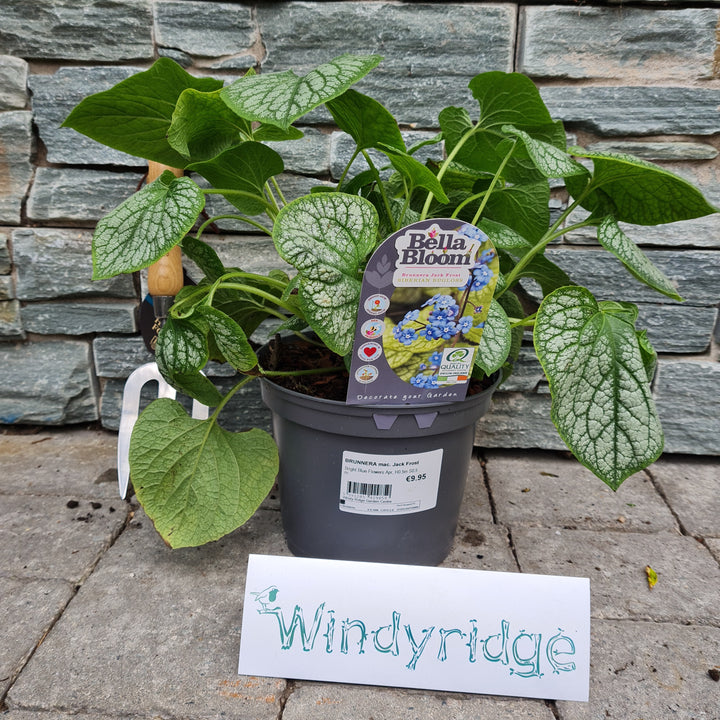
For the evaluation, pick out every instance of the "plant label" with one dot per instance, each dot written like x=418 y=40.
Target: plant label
x=411 y=626
x=424 y=301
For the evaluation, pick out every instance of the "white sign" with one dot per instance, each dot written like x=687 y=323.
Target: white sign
x=389 y=484
x=418 y=627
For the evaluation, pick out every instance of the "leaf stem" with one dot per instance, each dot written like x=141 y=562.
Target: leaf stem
x=445 y=165
x=242 y=218
x=375 y=172
x=347 y=168
x=553 y=232
x=493 y=183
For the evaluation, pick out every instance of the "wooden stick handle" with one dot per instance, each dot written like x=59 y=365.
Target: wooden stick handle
x=165 y=276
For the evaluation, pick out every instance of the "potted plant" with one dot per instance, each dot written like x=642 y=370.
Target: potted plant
x=198 y=481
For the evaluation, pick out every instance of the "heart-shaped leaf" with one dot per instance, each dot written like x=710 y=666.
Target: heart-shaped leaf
x=243 y=170
x=601 y=401
x=496 y=340
x=328 y=237
x=366 y=121
x=230 y=339
x=280 y=98
x=551 y=161
x=508 y=99
x=203 y=125
x=134 y=116
x=523 y=207
x=146 y=226
x=636 y=191
x=196 y=481
x=612 y=238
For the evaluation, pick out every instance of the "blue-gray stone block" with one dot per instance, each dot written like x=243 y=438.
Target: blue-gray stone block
x=15 y=166
x=57 y=263
x=11 y=327
x=79 y=318
x=54 y=96
x=204 y=29
x=78 y=195
x=431 y=51
x=639 y=110
x=602 y=43
x=97 y=30
x=13 y=83
x=687 y=394
x=47 y=383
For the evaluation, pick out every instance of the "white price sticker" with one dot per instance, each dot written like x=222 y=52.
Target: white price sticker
x=389 y=484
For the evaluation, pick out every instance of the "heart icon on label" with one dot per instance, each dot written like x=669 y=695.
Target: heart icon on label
x=370 y=351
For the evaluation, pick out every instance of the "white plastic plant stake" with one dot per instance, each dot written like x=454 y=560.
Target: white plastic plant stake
x=131 y=409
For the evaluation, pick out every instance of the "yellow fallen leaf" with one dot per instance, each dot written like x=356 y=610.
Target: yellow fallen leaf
x=652 y=577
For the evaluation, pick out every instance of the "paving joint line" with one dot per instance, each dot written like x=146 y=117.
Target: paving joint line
x=290 y=686
x=15 y=674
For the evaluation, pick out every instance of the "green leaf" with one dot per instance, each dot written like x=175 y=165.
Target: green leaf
x=243 y=171
x=637 y=191
x=649 y=355
x=496 y=340
x=203 y=125
x=365 y=120
x=272 y=133
x=522 y=207
x=551 y=161
x=134 y=116
x=508 y=99
x=328 y=237
x=513 y=308
x=485 y=148
x=181 y=348
x=612 y=238
x=417 y=175
x=146 y=226
x=204 y=257
x=601 y=401
x=280 y=98
x=196 y=481
x=230 y=338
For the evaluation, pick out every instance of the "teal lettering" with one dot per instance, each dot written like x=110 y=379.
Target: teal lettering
x=502 y=655
x=472 y=642
x=417 y=649
x=444 y=635
x=532 y=662
x=287 y=634
x=330 y=632
x=393 y=648
x=552 y=653
x=348 y=625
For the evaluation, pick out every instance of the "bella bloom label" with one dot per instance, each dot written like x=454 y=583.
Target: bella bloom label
x=424 y=301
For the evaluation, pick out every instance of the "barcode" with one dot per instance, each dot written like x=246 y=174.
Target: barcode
x=369 y=489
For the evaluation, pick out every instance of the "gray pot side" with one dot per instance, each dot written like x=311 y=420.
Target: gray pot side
x=312 y=435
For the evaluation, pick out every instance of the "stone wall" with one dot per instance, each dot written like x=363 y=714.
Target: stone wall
x=643 y=79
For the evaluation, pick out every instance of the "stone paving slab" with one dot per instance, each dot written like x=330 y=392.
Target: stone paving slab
x=27 y=610
x=688 y=586
x=321 y=701
x=60 y=462
x=649 y=671
x=692 y=487
x=156 y=632
x=549 y=490
x=51 y=537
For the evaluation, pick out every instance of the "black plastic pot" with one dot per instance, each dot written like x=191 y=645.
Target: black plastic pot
x=329 y=461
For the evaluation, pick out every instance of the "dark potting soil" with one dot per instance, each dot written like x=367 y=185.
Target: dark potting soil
x=281 y=355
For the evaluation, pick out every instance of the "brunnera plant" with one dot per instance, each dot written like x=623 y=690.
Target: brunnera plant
x=198 y=481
